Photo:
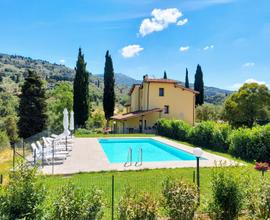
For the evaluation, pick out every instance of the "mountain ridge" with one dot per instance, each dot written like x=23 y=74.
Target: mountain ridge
x=16 y=66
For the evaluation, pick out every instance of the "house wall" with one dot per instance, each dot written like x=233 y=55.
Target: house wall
x=181 y=102
x=134 y=99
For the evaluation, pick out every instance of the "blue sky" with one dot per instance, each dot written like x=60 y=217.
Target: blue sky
x=230 y=39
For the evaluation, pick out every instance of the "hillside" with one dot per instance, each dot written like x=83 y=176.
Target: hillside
x=15 y=67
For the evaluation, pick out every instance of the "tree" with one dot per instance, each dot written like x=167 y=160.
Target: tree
x=108 y=92
x=81 y=92
x=32 y=106
x=249 y=104
x=208 y=112
x=60 y=97
x=187 y=80
x=199 y=86
x=165 y=75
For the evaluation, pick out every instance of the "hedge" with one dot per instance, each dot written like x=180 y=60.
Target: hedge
x=251 y=144
x=245 y=143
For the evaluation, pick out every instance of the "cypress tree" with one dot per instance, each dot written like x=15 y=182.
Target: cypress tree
x=32 y=106
x=187 y=80
x=108 y=92
x=81 y=92
x=199 y=85
x=165 y=75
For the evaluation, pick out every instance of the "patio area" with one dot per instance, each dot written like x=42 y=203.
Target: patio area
x=87 y=155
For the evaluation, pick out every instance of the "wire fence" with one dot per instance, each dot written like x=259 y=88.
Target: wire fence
x=22 y=149
x=113 y=186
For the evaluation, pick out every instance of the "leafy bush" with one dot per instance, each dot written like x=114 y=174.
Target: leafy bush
x=73 y=203
x=211 y=135
x=82 y=131
x=136 y=206
x=23 y=196
x=258 y=200
x=228 y=195
x=4 y=141
x=263 y=211
x=96 y=120
x=251 y=144
x=180 y=199
x=164 y=127
x=175 y=129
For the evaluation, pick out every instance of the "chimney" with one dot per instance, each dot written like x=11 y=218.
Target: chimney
x=145 y=77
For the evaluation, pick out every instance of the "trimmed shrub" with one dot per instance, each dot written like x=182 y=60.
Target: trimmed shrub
x=228 y=195
x=211 y=135
x=73 y=203
x=251 y=144
x=136 y=206
x=23 y=196
x=180 y=199
x=175 y=129
x=180 y=130
x=164 y=127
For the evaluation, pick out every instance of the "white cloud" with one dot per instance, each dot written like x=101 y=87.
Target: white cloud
x=131 y=50
x=161 y=19
x=208 y=47
x=62 y=61
x=182 y=22
x=248 y=65
x=236 y=86
x=184 y=49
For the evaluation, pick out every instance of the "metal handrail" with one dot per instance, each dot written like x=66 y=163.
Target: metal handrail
x=129 y=157
x=140 y=157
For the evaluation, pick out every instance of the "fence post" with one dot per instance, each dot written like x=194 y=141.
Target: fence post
x=14 y=157
x=42 y=159
x=194 y=176
x=53 y=157
x=35 y=156
x=112 y=197
x=23 y=148
x=1 y=179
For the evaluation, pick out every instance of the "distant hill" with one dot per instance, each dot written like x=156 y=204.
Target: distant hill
x=123 y=79
x=15 y=66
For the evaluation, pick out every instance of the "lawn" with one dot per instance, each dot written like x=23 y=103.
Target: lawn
x=145 y=180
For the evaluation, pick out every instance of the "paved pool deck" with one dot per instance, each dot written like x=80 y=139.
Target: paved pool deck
x=87 y=156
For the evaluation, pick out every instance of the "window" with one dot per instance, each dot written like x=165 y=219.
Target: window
x=161 y=91
x=145 y=124
x=166 y=109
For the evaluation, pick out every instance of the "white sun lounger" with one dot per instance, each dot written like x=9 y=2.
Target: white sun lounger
x=50 y=149
x=48 y=157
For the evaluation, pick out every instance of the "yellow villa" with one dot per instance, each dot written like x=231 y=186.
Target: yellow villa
x=154 y=99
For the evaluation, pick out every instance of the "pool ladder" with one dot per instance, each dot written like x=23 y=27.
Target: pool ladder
x=140 y=157
x=129 y=157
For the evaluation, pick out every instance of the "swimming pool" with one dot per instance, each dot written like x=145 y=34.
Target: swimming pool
x=116 y=150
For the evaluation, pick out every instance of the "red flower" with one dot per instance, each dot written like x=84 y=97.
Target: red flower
x=262 y=166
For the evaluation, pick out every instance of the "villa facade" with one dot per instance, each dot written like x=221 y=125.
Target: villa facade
x=154 y=99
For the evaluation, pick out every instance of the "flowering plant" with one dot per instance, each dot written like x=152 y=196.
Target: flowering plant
x=262 y=166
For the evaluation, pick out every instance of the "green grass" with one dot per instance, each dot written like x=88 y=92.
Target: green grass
x=145 y=180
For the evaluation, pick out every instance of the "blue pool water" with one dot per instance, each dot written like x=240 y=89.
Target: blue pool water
x=116 y=150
